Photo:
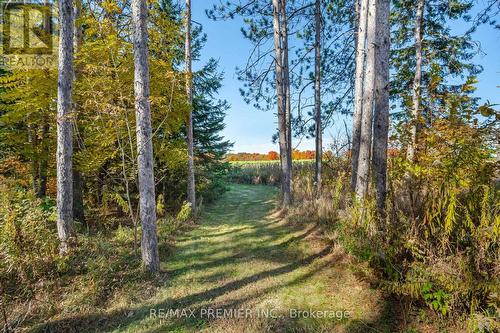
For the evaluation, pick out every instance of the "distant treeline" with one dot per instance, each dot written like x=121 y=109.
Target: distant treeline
x=272 y=156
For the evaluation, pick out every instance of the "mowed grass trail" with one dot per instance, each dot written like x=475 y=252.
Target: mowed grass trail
x=243 y=256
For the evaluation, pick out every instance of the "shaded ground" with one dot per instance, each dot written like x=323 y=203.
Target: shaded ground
x=266 y=275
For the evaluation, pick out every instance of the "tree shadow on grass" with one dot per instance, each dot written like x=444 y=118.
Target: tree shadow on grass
x=198 y=237
x=276 y=252
x=386 y=321
x=119 y=318
x=238 y=303
x=260 y=233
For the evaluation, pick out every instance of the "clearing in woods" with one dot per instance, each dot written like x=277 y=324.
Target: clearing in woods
x=282 y=278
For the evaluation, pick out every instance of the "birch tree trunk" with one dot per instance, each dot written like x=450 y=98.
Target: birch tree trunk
x=365 y=138
x=317 y=94
x=288 y=110
x=64 y=126
x=191 y=189
x=280 y=95
x=358 y=90
x=381 y=117
x=417 y=79
x=147 y=201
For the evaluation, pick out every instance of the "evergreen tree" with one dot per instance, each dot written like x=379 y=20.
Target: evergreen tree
x=423 y=39
x=208 y=120
x=210 y=147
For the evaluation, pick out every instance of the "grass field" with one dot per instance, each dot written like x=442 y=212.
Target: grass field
x=264 y=172
x=237 y=163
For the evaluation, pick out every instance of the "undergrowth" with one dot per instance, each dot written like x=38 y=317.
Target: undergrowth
x=101 y=272
x=437 y=247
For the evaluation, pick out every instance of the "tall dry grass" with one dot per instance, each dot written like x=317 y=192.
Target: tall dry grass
x=438 y=245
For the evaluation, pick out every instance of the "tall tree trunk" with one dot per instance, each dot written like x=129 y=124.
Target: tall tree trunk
x=358 y=90
x=281 y=101
x=317 y=94
x=417 y=79
x=365 y=143
x=78 y=206
x=64 y=126
x=288 y=103
x=381 y=117
x=147 y=200
x=44 y=156
x=191 y=187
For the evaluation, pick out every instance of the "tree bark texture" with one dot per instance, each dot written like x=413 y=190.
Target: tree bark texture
x=381 y=117
x=147 y=200
x=281 y=101
x=64 y=126
x=365 y=142
x=358 y=90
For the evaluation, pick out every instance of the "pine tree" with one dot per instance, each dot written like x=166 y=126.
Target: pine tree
x=422 y=41
x=191 y=188
x=267 y=78
x=317 y=93
x=330 y=26
x=208 y=120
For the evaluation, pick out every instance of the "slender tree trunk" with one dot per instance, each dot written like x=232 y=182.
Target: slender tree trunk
x=147 y=200
x=42 y=189
x=365 y=142
x=191 y=187
x=317 y=94
x=281 y=101
x=64 y=126
x=417 y=79
x=78 y=181
x=288 y=103
x=35 y=170
x=78 y=208
x=44 y=147
x=381 y=117
x=101 y=177
x=358 y=90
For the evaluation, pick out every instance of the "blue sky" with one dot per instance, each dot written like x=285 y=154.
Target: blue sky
x=251 y=130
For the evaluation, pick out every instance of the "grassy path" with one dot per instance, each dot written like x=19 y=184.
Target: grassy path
x=242 y=256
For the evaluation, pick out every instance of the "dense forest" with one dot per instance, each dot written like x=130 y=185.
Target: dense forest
x=121 y=200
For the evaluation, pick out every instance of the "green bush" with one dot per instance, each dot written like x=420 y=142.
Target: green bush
x=28 y=240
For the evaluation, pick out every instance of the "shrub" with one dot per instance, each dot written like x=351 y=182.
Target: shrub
x=439 y=243
x=28 y=241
